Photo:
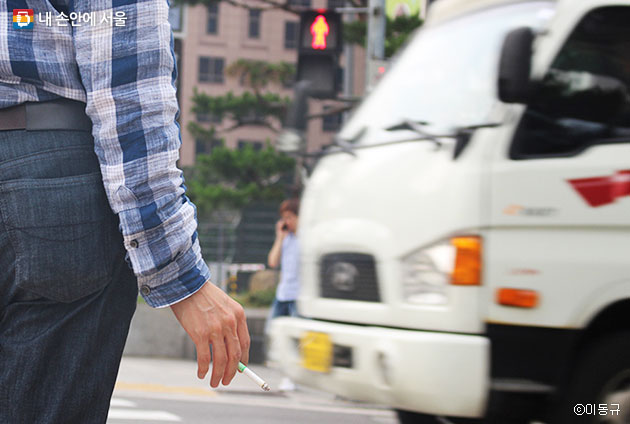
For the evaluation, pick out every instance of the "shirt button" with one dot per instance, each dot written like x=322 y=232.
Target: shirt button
x=133 y=243
x=145 y=290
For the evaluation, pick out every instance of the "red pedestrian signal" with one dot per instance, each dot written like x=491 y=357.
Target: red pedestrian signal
x=319 y=31
x=319 y=47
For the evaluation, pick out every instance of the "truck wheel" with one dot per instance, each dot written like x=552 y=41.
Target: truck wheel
x=601 y=379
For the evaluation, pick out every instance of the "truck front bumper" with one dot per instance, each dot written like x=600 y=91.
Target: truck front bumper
x=429 y=372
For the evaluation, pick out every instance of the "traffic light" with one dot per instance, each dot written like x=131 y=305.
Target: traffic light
x=318 y=51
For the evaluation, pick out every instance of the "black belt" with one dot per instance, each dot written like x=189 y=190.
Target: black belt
x=58 y=114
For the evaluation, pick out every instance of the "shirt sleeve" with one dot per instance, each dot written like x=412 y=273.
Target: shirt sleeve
x=129 y=74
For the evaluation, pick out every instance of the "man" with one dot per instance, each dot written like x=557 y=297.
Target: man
x=93 y=206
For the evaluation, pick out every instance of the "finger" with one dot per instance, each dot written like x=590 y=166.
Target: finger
x=234 y=355
x=243 y=338
x=219 y=358
x=203 y=359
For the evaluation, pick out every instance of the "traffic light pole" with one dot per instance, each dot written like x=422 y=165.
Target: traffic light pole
x=375 y=49
x=293 y=138
x=348 y=54
x=319 y=44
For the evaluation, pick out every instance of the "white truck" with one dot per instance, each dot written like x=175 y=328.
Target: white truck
x=466 y=251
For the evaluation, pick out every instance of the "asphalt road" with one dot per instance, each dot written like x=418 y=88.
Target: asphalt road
x=163 y=391
x=154 y=391
x=234 y=408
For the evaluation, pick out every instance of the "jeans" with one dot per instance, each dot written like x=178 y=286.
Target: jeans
x=278 y=308
x=67 y=294
x=281 y=308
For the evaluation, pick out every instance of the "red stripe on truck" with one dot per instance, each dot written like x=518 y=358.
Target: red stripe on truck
x=599 y=191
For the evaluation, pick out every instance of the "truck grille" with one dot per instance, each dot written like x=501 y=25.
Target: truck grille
x=349 y=276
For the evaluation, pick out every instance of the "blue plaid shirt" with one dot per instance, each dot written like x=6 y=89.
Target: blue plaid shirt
x=126 y=76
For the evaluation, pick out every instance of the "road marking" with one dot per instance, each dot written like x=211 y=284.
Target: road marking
x=160 y=391
x=122 y=403
x=139 y=414
x=160 y=388
x=265 y=403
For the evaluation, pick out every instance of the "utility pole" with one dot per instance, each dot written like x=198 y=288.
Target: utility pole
x=375 y=49
x=348 y=75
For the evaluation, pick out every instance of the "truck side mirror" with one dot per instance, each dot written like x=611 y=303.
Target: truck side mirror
x=515 y=65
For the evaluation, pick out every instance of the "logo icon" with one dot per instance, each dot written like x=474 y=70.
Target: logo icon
x=603 y=190
x=23 y=18
x=518 y=210
x=343 y=276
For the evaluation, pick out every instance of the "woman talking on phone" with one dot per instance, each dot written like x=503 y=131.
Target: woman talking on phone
x=285 y=252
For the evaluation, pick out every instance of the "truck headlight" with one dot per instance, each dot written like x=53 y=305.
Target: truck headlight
x=428 y=272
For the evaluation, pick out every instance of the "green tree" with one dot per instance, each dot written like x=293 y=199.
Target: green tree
x=223 y=183
x=253 y=107
x=230 y=179
x=226 y=180
x=396 y=32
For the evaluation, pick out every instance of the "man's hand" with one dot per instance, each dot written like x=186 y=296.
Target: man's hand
x=273 y=258
x=211 y=317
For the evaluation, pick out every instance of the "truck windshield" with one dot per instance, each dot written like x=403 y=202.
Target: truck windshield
x=446 y=76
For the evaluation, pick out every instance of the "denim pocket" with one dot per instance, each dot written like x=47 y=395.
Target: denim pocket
x=63 y=232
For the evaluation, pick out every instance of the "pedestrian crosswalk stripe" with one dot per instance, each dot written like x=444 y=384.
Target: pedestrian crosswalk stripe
x=122 y=403
x=145 y=415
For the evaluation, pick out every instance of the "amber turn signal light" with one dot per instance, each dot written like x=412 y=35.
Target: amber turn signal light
x=517 y=297
x=467 y=270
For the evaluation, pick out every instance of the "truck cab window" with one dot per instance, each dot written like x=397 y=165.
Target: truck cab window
x=584 y=99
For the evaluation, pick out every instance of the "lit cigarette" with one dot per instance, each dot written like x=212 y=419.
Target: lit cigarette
x=263 y=385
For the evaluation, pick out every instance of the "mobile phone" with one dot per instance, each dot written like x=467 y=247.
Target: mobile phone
x=285 y=227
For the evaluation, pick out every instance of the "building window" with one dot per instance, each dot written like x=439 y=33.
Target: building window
x=290 y=35
x=212 y=24
x=203 y=147
x=254 y=23
x=300 y=3
x=331 y=122
x=256 y=145
x=211 y=69
x=253 y=117
x=333 y=4
x=208 y=118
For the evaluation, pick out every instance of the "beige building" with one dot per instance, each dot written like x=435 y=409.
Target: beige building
x=209 y=39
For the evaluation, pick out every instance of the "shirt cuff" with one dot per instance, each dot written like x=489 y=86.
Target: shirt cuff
x=165 y=288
